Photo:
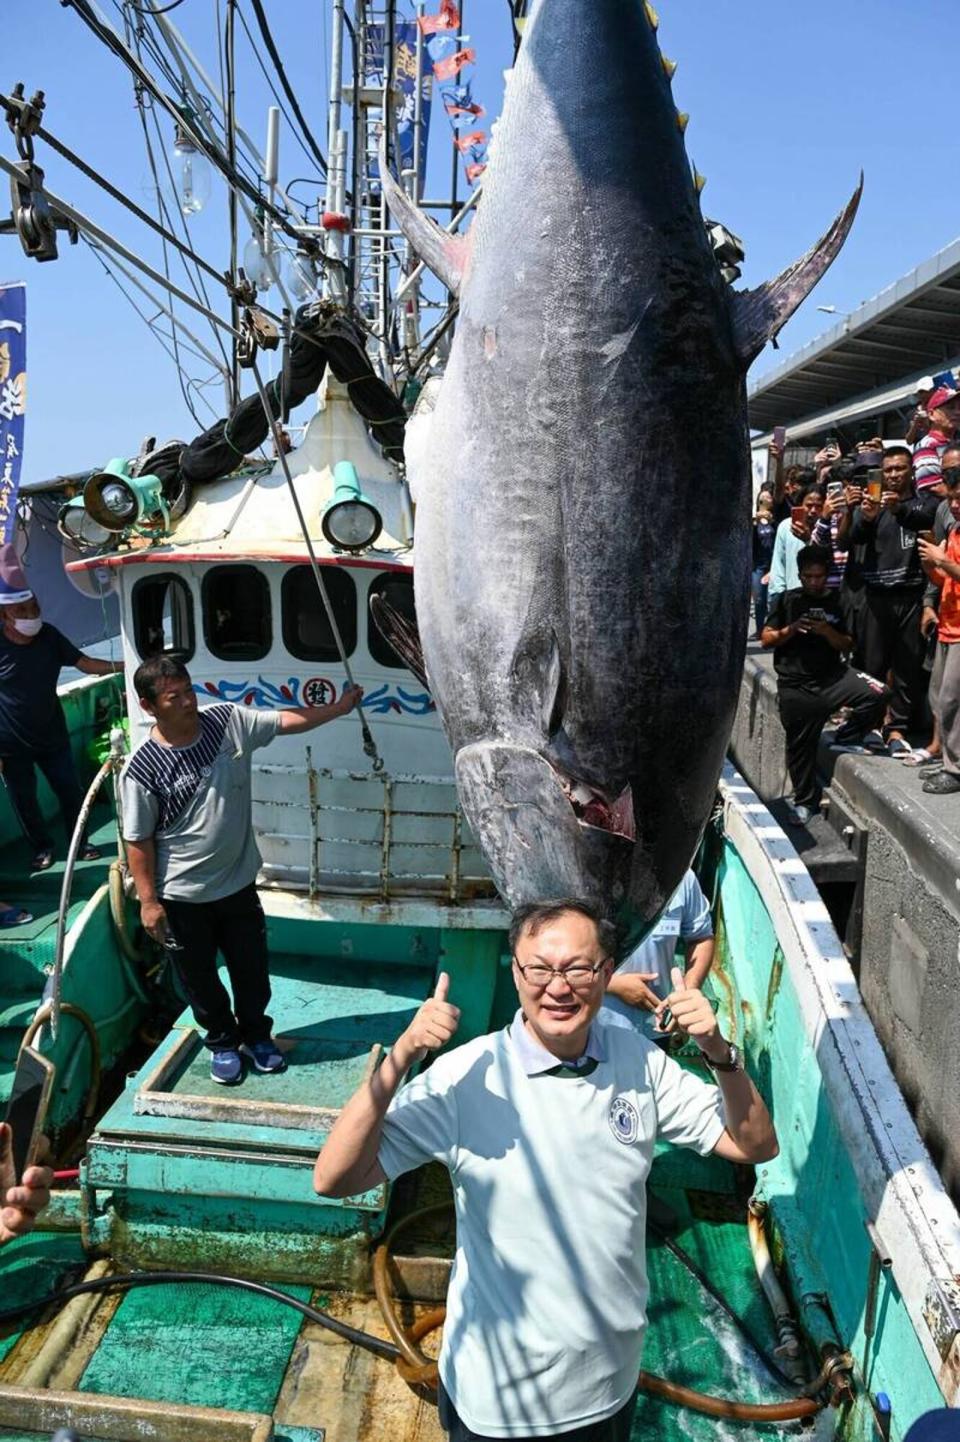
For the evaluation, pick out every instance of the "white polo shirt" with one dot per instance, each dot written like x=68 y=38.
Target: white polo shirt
x=546 y=1308
x=686 y=918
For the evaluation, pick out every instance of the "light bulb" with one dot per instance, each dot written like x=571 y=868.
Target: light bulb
x=259 y=268
x=300 y=275
x=191 y=174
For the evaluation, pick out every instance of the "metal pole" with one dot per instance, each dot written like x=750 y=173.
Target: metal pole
x=231 y=137
x=418 y=110
x=456 y=154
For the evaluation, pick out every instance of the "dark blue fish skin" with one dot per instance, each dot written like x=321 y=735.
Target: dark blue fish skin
x=582 y=556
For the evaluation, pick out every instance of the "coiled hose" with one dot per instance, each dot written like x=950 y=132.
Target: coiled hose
x=419 y=1370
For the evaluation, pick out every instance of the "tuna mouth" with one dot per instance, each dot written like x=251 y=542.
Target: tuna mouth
x=593 y=808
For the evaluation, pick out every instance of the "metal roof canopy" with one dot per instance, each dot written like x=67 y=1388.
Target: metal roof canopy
x=873 y=359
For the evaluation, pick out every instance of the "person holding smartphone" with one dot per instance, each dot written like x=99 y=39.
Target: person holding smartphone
x=806 y=631
x=792 y=535
x=21 y=1201
x=941 y=562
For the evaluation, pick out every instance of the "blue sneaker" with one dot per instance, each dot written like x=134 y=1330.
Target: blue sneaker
x=226 y=1067
x=265 y=1055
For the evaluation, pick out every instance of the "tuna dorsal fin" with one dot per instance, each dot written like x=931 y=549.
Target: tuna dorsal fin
x=758 y=315
x=402 y=633
x=444 y=254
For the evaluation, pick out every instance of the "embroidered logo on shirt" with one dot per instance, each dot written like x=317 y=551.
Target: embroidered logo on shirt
x=624 y=1121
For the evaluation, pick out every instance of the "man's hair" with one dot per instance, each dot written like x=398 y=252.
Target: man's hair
x=898 y=451
x=813 y=556
x=148 y=675
x=536 y=915
x=814 y=490
x=952 y=449
x=806 y=475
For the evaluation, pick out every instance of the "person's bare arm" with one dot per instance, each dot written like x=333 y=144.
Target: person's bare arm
x=142 y=860
x=699 y=961
x=748 y=1136
x=348 y=1161
x=295 y=720
x=936 y=563
x=92 y=667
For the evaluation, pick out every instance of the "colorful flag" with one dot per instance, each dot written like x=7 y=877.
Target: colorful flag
x=475 y=171
x=405 y=87
x=13 y=400
x=446 y=69
x=448 y=19
x=469 y=142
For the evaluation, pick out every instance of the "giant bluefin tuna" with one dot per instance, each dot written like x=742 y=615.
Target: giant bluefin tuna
x=583 y=482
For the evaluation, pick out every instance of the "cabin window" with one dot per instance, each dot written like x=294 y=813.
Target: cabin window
x=163 y=617
x=236 y=613
x=306 y=629
x=397 y=591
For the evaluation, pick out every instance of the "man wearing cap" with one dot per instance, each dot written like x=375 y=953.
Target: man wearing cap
x=943 y=408
x=547 y=1129
x=33 y=730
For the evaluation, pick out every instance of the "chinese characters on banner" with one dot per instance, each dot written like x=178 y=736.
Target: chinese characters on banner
x=405 y=83
x=449 y=60
x=13 y=400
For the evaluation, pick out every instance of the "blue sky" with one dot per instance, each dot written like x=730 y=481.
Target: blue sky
x=787 y=103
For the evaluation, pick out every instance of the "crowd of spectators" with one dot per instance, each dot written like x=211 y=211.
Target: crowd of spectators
x=856 y=591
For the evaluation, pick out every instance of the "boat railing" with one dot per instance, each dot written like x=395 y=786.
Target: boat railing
x=338 y=831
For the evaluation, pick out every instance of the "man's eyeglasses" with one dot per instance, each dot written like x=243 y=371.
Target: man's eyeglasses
x=535 y=974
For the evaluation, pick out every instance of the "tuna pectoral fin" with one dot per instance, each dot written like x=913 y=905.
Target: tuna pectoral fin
x=758 y=315
x=529 y=833
x=444 y=254
x=402 y=634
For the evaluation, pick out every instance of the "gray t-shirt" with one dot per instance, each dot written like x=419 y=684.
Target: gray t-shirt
x=194 y=802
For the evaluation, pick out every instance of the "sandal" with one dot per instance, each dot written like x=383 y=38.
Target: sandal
x=920 y=757
x=43 y=860
x=896 y=746
x=14 y=916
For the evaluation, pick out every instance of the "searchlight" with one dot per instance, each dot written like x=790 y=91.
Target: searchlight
x=350 y=521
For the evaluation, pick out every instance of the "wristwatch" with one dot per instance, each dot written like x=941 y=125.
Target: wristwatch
x=733 y=1061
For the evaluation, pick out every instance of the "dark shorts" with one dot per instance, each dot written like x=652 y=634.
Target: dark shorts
x=612 y=1429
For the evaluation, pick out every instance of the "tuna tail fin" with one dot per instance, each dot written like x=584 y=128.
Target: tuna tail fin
x=402 y=634
x=759 y=315
x=444 y=254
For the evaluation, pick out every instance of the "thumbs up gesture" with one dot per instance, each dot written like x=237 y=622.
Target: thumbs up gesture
x=691 y=1011
x=433 y=1026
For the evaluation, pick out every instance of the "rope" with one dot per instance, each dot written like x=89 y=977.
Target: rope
x=369 y=745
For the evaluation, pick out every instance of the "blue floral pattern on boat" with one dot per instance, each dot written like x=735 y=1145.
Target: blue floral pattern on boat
x=316 y=691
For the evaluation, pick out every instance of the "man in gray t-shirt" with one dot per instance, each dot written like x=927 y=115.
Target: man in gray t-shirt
x=185 y=797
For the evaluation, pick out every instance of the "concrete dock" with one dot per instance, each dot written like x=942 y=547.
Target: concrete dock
x=886 y=855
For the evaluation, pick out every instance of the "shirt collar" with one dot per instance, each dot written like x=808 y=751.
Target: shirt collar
x=535 y=1059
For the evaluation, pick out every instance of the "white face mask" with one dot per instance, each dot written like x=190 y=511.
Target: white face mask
x=29 y=627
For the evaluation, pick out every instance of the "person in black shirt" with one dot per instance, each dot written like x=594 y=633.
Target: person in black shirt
x=807 y=634
x=883 y=550
x=33 y=729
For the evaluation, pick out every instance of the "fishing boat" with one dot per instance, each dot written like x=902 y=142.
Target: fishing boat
x=186 y=1282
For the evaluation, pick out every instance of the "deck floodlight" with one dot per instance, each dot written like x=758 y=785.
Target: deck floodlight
x=350 y=521
x=78 y=528
x=117 y=500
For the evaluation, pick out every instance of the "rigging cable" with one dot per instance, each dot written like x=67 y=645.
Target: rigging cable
x=164 y=214
x=273 y=89
x=229 y=102
x=285 y=83
x=207 y=147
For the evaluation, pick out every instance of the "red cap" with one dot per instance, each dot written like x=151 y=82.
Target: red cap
x=940 y=397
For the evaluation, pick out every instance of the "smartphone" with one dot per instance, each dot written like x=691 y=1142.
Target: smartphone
x=869 y=460
x=816 y=613
x=835 y=489
x=798 y=515
x=927 y=536
x=27 y=1108
x=780 y=436
x=833 y=441
x=874 y=486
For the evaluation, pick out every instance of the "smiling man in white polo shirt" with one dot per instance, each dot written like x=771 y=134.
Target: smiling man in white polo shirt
x=547 y=1129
